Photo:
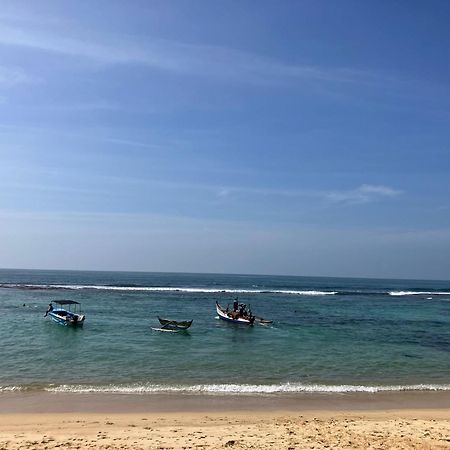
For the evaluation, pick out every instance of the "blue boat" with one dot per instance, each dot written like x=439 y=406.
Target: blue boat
x=236 y=315
x=66 y=312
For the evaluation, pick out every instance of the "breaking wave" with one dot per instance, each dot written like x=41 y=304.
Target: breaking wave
x=404 y=293
x=236 y=389
x=219 y=290
x=164 y=289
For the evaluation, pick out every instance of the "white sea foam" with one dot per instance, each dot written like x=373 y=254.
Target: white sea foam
x=236 y=389
x=11 y=388
x=403 y=293
x=215 y=290
x=303 y=292
x=170 y=289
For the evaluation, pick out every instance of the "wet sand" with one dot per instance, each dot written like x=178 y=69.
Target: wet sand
x=413 y=420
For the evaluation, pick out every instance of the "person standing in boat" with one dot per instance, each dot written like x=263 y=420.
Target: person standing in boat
x=235 y=313
x=50 y=308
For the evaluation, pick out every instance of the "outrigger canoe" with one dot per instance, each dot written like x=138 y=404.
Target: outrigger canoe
x=234 y=316
x=174 y=324
x=66 y=312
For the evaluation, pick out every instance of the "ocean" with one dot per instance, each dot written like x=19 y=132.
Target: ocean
x=327 y=335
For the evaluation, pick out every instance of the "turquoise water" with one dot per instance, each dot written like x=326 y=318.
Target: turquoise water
x=329 y=334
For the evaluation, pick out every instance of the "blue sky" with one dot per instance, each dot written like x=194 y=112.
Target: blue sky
x=296 y=137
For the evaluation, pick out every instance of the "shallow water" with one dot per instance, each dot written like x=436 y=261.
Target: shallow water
x=329 y=334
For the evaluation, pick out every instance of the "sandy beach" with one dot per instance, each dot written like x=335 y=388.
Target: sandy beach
x=47 y=421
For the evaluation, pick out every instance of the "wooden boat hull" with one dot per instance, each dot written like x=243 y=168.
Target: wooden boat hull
x=224 y=316
x=175 y=325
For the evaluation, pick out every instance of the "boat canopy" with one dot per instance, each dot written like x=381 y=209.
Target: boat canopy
x=65 y=302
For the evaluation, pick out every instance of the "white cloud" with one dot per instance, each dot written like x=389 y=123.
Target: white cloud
x=378 y=190
x=363 y=194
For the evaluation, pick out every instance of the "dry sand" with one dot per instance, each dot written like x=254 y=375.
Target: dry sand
x=48 y=428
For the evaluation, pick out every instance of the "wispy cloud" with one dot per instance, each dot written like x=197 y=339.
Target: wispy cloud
x=364 y=194
x=87 y=134
x=183 y=58
x=12 y=76
x=99 y=105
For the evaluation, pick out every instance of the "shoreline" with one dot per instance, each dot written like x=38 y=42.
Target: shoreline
x=57 y=402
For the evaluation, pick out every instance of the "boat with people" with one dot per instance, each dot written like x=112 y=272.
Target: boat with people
x=167 y=324
x=66 y=312
x=239 y=313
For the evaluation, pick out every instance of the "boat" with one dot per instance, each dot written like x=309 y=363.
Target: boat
x=167 y=324
x=263 y=321
x=66 y=312
x=236 y=315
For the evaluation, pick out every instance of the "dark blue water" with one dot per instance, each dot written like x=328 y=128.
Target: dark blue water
x=328 y=334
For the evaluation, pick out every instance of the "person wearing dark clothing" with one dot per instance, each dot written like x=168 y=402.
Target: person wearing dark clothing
x=50 y=308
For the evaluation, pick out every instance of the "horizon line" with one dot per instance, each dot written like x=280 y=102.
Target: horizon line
x=224 y=274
